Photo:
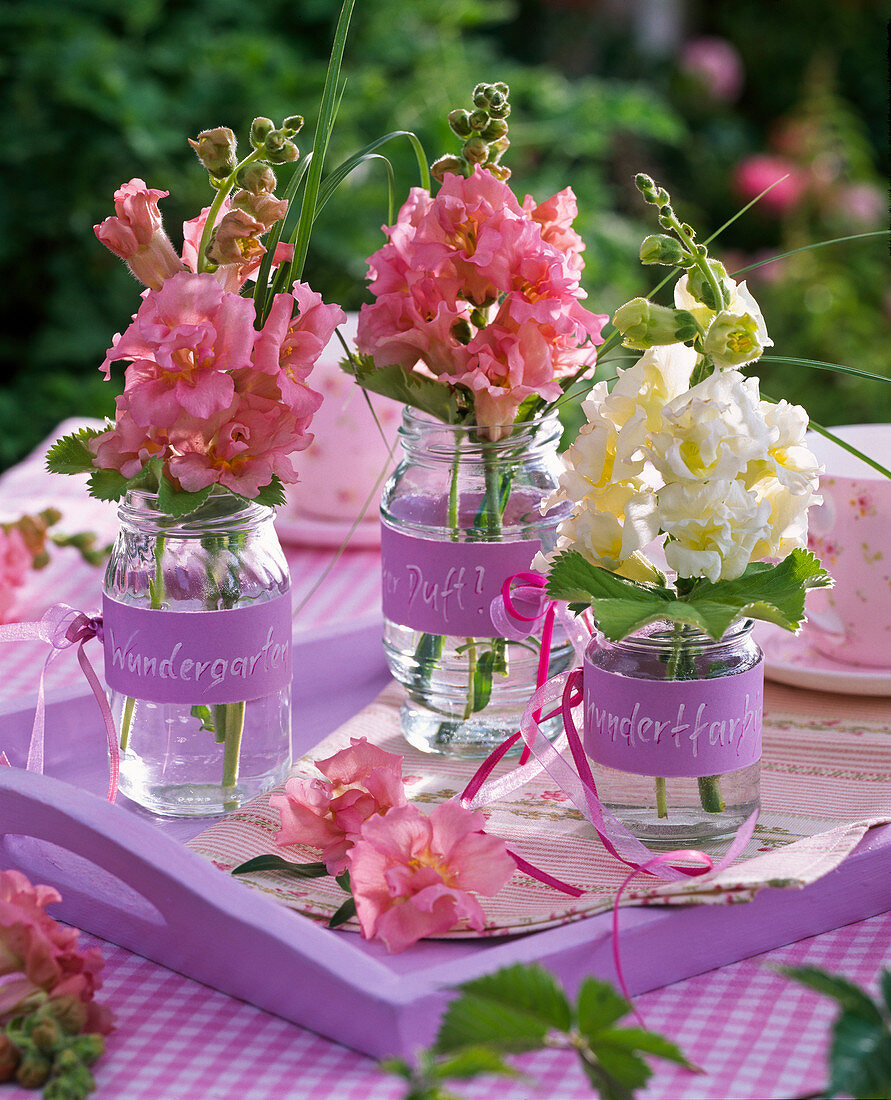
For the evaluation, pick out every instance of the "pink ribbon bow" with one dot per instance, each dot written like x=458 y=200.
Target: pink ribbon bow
x=62 y=627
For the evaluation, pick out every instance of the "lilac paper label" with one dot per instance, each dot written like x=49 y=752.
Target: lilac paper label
x=673 y=727
x=198 y=656
x=447 y=587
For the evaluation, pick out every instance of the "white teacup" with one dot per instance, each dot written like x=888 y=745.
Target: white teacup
x=340 y=467
x=851 y=534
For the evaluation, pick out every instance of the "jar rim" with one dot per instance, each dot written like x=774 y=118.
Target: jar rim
x=223 y=511
x=442 y=439
x=664 y=632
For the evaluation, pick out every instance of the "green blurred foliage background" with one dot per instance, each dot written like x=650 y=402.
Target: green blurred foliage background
x=94 y=92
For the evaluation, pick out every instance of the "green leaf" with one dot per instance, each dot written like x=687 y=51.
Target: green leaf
x=429 y=395
x=272 y=495
x=108 y=484
x=472 y=1061
x=639 y=1040
x=346 y=912
x=176 y=502
x=599 y=1005
x=851 y=997
x=396 y=1065
x=885 y=981
x=343 y=881
x=276 y=863
x=203 y=713
x=771 y=592
x=624 y=1067
x=511 y=1010
x=860 y=1058
x=482 y=680
x=71 y=454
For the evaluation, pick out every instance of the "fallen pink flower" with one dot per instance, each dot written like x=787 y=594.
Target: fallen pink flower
x=414 y=876
x=40 y=957
x=360 y=783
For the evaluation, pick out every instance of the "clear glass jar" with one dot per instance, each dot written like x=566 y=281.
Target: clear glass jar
x=193 y=758
x=708 y=691
x=466 y=690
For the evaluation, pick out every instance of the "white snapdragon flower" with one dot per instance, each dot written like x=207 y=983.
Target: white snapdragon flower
x=787 y=459
x=658 y=377
x=714 y=430
x=787 y=519
x=610 y=527
x=735 y=335
x=714 y=527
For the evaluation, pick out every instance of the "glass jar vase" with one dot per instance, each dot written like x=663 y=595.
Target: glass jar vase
x=197 y=637
x=460 y=515
x=673 y=730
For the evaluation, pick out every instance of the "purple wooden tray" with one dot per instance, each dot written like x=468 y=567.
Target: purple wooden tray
x=126 y=876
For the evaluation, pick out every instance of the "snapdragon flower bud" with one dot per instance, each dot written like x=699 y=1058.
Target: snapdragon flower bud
x=701 y=288
x=643 y=324
x=216 y=150
x=294 y=123
x=257 y=178
x=445 y=164
x=476 y=151
x=279 y=148
x=459 y=121
x=478 y=119
x=659 y=248
x=497 y=128
x=734 y=339
x=260 y=127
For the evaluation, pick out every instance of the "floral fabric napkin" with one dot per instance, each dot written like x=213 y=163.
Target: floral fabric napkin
x=825 y=781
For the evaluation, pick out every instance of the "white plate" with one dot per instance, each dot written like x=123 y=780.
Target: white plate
x=790 y=659
x=297 y=530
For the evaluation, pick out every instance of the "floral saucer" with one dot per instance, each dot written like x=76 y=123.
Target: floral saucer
x=790 y=659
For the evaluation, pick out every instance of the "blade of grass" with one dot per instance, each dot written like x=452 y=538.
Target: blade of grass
x=324 y=126
x=820 y=365
x=809 y=248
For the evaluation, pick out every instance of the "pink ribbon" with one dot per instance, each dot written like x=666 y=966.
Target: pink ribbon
x=62 y=627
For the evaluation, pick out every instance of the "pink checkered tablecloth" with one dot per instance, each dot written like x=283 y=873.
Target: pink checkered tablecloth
x=756 y=1034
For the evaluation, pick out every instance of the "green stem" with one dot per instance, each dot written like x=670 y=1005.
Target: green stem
x=127 y=721
x=710 y=793
x=215 y=207
x=470 y=705
x=661 y=799
x=232 y=751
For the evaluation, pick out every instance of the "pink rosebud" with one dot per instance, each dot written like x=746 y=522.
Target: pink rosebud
x=716 y=64
x=136 y=235
x=15 y=562
x=360 y=782
x=756 y=173
x=414 y=876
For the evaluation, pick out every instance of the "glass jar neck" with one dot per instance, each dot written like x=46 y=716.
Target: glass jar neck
x=424 y=438
x=222 y=513
x=664 y=634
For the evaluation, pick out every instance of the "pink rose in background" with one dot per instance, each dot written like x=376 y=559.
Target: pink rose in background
x=38 y=956
x=412 y=875
x=758 y=172
x=360 y=782
x=136 y=235
x=15 y=562
x=716 y=64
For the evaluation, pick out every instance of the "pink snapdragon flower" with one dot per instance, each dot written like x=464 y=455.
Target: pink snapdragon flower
x=477 y=290
x=183 y=341
x=414 y=876
x=135 y=233
x=716 y=64
x=287 y=347
x=15 y=562
x=361 y=782
x=40 y=957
